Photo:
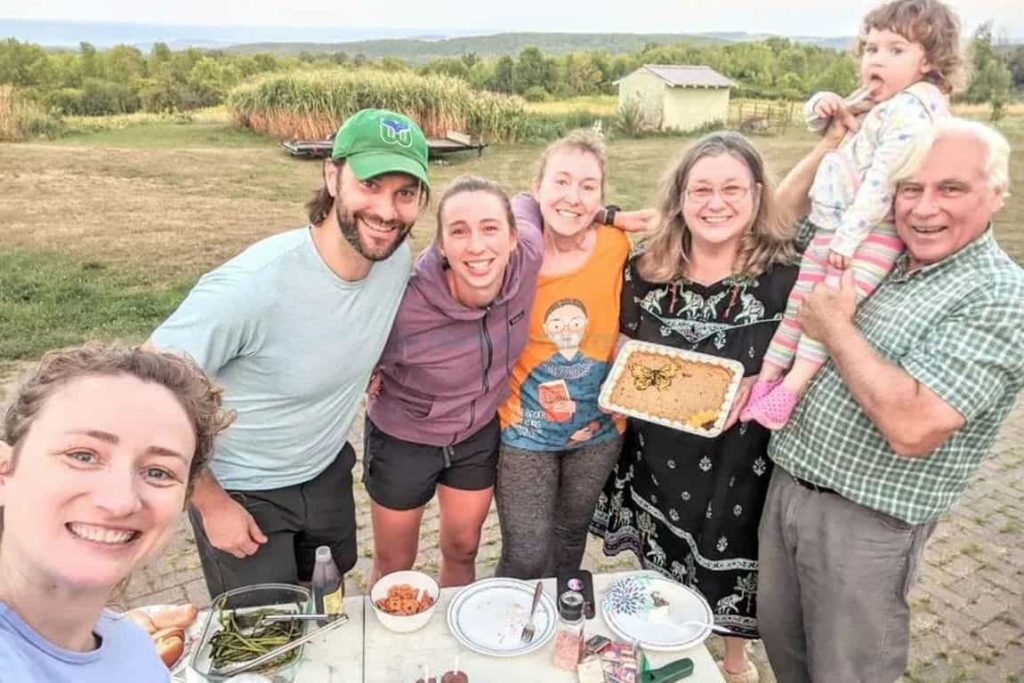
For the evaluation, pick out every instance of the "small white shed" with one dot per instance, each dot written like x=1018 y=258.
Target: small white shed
x=677 y=96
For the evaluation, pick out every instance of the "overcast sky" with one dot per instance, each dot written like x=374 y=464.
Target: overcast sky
x=785 y=17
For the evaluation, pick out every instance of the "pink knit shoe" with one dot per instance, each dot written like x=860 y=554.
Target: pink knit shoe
x=758 y=392
x=774 y=410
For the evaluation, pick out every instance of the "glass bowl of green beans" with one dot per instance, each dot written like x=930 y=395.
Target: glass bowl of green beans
x=236 y=631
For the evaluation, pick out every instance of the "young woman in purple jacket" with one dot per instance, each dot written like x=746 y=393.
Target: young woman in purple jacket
x=431 y=418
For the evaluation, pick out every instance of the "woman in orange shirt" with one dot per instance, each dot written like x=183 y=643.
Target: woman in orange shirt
x=557 y=448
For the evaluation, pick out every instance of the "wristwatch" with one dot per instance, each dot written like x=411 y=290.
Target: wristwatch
x=608 y=215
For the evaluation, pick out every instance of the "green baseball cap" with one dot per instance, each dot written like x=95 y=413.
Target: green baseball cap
x=377 y=141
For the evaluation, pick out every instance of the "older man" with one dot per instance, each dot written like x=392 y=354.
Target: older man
x=890 y=433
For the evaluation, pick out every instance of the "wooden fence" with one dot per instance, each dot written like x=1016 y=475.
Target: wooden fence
x=763 y=117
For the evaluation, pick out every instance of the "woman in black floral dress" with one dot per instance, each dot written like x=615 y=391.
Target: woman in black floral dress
x=714 y=278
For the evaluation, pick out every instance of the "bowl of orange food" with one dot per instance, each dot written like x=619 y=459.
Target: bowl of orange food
x=404 y=601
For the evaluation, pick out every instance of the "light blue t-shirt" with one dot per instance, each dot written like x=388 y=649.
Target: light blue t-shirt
x=125 y=654
x=293 y=345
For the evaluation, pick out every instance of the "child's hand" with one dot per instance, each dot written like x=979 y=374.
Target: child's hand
x=838 y=261
x=828 y=105
x=839 y=125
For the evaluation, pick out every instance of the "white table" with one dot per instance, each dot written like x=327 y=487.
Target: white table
x=399 y=658
x=363 y=651
x=337 y=657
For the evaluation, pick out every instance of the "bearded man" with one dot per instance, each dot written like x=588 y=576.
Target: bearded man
x=292 y=328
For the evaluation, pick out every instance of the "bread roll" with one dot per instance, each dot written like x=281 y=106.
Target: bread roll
x=180 y=616
x=170 y=647
x=172 y=632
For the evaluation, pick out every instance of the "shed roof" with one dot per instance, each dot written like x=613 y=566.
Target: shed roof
x=687 y=75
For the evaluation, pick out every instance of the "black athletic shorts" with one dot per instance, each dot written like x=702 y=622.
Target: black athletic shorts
x=296 y=520
x=401 y=475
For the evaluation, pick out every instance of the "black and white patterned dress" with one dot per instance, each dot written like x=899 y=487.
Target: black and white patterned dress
x=689 y=506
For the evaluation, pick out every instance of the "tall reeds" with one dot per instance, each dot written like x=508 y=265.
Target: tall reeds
x=312 y=104
x=9 y=128
x=21 y=118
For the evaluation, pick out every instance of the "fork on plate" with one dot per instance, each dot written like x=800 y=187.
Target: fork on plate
x=528 y=630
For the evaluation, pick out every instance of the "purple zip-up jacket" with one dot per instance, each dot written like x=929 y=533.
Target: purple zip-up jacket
x=445 y=368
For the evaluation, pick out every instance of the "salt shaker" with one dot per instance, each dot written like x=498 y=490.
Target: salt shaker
x=569 y=631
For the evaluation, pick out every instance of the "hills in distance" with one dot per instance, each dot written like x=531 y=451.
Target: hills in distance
x=408 y=44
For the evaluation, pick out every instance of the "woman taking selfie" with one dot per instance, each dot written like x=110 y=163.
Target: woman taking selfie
x=100 y=448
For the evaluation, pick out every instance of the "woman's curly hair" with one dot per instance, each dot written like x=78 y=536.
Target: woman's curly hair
x=200 y=398
x=928 y=22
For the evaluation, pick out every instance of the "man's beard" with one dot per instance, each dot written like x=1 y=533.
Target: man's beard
x=350 y=231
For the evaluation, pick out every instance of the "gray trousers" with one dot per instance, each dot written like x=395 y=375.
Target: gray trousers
x=545 y=500
x=833 y=586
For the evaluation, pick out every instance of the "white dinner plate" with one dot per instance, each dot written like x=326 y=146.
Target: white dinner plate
x=651 y=609
x=488 y=617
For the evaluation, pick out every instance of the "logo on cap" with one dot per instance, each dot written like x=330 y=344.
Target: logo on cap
x=395 y=132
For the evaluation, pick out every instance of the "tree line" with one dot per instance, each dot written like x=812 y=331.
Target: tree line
x=123 y=79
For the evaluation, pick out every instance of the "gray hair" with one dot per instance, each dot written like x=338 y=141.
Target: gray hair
x=997 y=150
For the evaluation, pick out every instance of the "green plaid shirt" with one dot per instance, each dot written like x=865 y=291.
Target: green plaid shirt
x=957 y=327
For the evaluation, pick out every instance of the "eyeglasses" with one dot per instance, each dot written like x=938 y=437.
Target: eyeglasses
x=729 y=193
x=571 y=325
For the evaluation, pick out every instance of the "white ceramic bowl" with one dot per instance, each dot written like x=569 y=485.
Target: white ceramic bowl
x=399 y=623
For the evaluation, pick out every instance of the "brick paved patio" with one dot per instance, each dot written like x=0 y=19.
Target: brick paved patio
x=968 y=606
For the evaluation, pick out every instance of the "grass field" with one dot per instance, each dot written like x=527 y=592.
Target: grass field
x=102 y=233
x=599 y=105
